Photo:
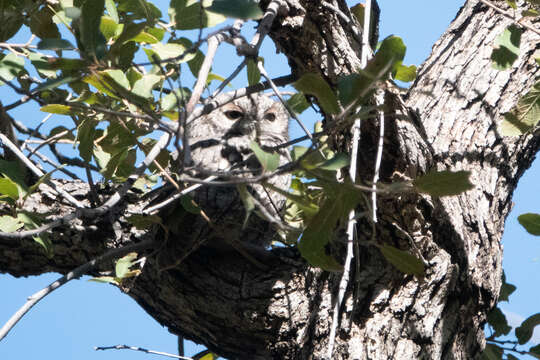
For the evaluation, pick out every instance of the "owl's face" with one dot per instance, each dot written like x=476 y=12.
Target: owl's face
x=258 y=117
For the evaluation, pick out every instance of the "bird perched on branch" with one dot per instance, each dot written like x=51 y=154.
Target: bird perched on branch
x=221 y=143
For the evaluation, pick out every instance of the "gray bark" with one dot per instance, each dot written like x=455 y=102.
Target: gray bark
x=220 y=299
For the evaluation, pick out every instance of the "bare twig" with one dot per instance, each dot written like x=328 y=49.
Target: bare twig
x=107 y=206
x=344 y=282
x=213 y=44
x=75 y=274
x=264 y=27
x=136 y=348
x=176 y=196
x=213 y=103
x=49 y=161
x=511 y=16
x=37 y=171
x=276 y=91
x=191 y=50
x=379 y=98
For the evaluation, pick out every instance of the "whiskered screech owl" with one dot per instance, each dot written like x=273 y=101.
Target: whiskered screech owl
x=220 y=142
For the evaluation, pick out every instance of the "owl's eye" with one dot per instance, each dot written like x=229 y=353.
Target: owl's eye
x=270 y=116
x=233 y=114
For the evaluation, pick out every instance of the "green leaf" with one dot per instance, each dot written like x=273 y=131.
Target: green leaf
x=358 y=12
x=105 y=279
x=444 y=183
x=31 y=221
x=512 y=126
x=535 y=351
x=269 y=161
x=86 y=132
x=123 y=264
x=239 y=9
x=339 y=161
x=253 y=73
x=169 y=101
x=530 y=12
x=247 y=200
x=298 y=103
x=93 y=43
x=188 y=15
x=144 y=37
x=117 y=138
x=110 y=6
x=388 y=58
x=205 y=355
x=527 y=110
x=354 y=87
x=525 y=331
x=320 y=230
x=531 y=223
x=41 y=180
x=10 y=66
x=115 y=162
x=43 y=65
x=506 y=289
x=54 y=83
x=72 y=12
x=14 y=172
x=506 y=48
x=190 y=205
x=42 y=25
x=169 y=51
x=197 y=60
x=12 y=19
x=9 y=188
x=141 y=9
x=144 y=86
x=55 y=44
x=492 y=352
x=143 y=222
x=109 y=28
x=302 y=202
x=405 y=73
x=402 y=260
x=314 y=84
x=57 y=109
x=512 y=4
x=498 y=322
x=10 y=224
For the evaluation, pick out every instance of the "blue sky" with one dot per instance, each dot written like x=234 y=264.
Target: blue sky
x=80 y=315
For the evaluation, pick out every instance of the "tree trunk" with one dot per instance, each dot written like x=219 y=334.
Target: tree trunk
x=243 y=312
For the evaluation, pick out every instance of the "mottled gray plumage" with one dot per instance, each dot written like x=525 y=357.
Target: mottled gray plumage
x=220 y=142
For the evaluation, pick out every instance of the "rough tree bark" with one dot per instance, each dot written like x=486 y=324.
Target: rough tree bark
x=243 y=312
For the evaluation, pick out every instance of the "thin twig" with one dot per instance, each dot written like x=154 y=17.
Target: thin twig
x=344 y=282
x=49 y=161
x=191 y=50
x=176 y=196
x=379 y=98
x=37 y=171
x=510 y=16
x=136 y=348
x=212 y=103
x=213 y=44
x=276 y=91
x=74 y=274
x=262 y=30
x=107 y=206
